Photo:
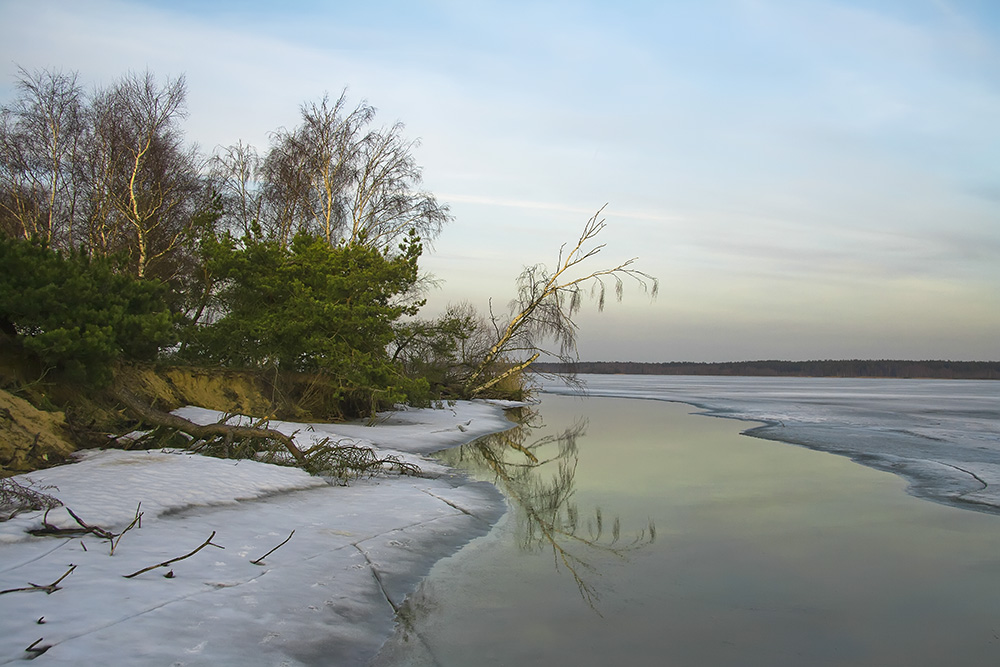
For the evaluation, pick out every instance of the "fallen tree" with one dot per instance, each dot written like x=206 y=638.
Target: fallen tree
x=230 y=432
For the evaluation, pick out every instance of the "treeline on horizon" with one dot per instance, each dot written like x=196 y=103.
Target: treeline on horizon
x=863 y=368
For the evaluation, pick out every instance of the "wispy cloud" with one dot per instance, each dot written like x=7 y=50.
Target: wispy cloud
x=562 y=208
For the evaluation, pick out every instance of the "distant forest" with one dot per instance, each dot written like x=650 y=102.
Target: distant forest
x=881 y=368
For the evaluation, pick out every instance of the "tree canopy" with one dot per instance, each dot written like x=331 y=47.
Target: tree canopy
x=120 y=239
x=78 y=314
x=309 y=307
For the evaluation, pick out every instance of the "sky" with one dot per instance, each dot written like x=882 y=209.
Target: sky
x=807 y=179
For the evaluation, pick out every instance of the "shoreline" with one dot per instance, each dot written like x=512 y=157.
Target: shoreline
x=945 y=483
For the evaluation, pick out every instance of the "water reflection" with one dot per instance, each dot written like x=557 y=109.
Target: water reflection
x=537 y=474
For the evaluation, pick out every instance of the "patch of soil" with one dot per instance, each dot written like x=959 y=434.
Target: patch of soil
x=30 y=438
x=33 y=434
x=216 y=389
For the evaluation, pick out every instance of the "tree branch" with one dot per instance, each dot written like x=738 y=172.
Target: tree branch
x=174 y=560
x=260 y=560
x=199 y=431
x=48 y=589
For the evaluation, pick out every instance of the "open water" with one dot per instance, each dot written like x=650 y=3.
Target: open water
x=641 y=534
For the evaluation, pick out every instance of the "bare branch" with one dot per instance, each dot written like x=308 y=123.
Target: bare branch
x=137 y=521
x=165 y=563
x=48 y=589
x=260 y=561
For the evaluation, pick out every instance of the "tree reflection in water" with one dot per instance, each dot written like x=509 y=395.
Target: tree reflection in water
x=538 y=478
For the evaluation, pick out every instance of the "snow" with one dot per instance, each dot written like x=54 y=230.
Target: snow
x=943 y=436
x=328 y=596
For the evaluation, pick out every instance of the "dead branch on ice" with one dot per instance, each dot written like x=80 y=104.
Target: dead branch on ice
x=48 y=589
x=35 y=650
x=165 y=563
x=260 y=561
x=85 y=528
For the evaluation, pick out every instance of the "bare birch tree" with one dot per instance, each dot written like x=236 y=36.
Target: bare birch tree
x=39 y=136
x=545 y=305
x=308 y=168
x=235 y=175
x=146 y=180
x=387 y=200
x=333 y=176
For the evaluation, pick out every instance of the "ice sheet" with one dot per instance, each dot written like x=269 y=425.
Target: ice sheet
x=943 y=436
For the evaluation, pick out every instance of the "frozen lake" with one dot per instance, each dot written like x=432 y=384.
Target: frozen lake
x=641 y=534
x=943 y=436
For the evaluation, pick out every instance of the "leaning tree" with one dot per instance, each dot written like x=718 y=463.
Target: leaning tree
x=546 y=303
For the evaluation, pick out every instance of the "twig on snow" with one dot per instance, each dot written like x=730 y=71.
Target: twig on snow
x=165 y=563
x=37 y=650
x=102 y=533
x=137 y=521
x=48 y=589
x=260 y=560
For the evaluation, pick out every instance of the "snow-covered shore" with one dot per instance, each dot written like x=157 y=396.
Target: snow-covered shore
x=327 y=596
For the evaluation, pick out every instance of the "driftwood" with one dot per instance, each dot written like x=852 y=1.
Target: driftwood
x=200 y=432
